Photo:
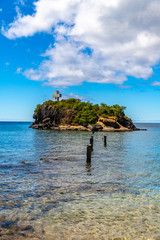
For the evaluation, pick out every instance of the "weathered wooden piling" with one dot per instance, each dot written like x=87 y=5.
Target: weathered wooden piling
x=105 y=140
x=91 y=142
x=89 y=151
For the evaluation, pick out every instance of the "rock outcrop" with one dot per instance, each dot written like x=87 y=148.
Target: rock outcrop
x=47 y=116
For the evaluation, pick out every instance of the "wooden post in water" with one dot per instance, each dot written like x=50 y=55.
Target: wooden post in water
x=91 y=142
x=89 y=150
x=105 y=141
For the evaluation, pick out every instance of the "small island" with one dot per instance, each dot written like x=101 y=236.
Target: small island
x=74 y=114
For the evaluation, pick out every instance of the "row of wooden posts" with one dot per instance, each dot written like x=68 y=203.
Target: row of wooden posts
x=90 y=148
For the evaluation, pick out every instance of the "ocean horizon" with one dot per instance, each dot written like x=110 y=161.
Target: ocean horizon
x=30 y=121
x=49 y=192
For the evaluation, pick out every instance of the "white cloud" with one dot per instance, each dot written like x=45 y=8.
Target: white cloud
x=123 y=35
x=19 y=70
x=156 y=83
x=0 y=9
x=72 y=95
x=68 y=65
x=47 y=14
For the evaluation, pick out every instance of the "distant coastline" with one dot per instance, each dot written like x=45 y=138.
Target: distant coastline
x=12 y=121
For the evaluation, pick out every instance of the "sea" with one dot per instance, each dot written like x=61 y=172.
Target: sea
x=49 y=192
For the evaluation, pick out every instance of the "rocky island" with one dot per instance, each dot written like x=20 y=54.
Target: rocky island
x=72 y=114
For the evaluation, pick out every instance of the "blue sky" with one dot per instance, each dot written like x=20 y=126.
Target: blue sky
x=101 y=51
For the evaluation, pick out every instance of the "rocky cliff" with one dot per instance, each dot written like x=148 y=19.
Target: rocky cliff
x=73 y=114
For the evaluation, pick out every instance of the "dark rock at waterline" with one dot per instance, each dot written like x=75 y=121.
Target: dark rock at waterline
x=127 y=123
x=96 y=128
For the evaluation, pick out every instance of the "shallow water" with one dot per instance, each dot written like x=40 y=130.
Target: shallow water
x=48 y=192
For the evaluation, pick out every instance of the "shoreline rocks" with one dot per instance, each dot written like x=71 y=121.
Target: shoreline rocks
x=99 y=127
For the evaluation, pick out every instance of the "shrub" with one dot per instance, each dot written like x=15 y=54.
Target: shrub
x=37 y=110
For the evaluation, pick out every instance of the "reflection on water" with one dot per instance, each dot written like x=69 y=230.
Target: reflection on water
x=49 y=192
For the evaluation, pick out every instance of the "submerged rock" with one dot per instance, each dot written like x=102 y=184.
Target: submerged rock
x=7 y=224
x=28 y=228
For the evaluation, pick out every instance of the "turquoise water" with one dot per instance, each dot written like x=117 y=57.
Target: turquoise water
x=48 y=192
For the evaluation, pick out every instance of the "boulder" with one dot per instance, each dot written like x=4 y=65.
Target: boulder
x=97 y=127
x=46 y=120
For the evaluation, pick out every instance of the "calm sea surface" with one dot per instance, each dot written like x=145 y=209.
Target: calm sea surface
x=48 y=192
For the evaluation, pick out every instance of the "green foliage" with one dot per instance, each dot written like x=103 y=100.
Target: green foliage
x=67 y=104
x=85 y=113
x=115 y=110
x=86 y=116
x=49 y=102
x=37 y=110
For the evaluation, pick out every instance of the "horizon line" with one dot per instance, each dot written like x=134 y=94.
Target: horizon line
x=135 y=121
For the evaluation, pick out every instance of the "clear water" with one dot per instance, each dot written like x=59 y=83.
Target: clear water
x=48 y=192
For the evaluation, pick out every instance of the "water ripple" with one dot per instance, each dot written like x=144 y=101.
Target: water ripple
x=49 y=192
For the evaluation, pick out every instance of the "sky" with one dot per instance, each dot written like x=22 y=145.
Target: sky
x=98 y=51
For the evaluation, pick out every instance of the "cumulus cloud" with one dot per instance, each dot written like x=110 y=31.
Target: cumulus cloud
x=96 y=41
x=48 y=13
x=69 y=65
